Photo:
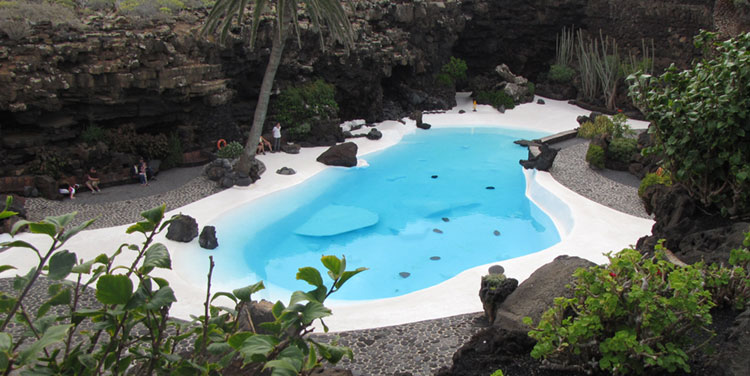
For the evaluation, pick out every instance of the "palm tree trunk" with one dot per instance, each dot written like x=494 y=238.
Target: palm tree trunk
x=248 y=154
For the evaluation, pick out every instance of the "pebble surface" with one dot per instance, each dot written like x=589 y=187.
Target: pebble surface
x=122 y=205
x=419 y=348
x=615 y=189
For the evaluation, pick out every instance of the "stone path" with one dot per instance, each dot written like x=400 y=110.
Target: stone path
x=615 y=189
x=120 y=205
x=412 y=349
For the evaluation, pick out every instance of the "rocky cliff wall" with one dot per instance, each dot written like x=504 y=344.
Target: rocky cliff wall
x=166 y=79
x=522 y=33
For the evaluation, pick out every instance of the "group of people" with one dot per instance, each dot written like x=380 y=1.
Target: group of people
x=92 y=180
x=141 y=169
x=263 y=143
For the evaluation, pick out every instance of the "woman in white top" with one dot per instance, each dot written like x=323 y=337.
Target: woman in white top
x=276 y=137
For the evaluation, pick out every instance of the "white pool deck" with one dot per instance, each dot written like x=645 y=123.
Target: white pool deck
x=587 y=229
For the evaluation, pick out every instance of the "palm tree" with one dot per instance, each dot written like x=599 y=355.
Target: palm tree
x=321 y=13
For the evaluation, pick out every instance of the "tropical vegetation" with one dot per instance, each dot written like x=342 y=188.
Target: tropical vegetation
x=299 y=108
x=597 y=63
x=326 y=15
x=701 y=123
x=638 y=313
x=452 y=72
x=130 y=330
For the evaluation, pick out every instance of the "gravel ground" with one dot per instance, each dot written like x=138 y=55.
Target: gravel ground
x=615 y=189
x=419 y=348
x=120 y=205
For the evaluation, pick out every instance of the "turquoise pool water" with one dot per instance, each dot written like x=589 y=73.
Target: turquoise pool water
x=437 y=203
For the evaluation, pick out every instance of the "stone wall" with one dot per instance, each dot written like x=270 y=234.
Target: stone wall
x=522 y=33
x=168 y=79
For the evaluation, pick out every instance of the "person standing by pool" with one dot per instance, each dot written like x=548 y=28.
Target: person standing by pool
x=92 y=180
x=276 y=137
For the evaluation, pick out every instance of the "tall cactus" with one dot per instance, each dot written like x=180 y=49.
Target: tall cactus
x=564 y=49
x=607 y=66
x=588 y=50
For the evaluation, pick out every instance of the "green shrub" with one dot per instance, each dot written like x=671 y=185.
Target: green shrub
x=38 y=12
x=595 y=156
x=601 y=125
x=300 y=108
x=199 y=4
x=231 y=150
x=622 y=149
x=153 y=10
x=561 y=73
x=49 y=162
x=100 y=5
x=93 y=134
x=532 y=88
x=16 y=30
x=452 y=72
x=632 y=315
x=124 y=139
x=70 y=4
x=497 y=373
x=731 y=286
x=493 y=280
x=132 y=329
x=620 y=126
x=128 y=6
x=496 y=99
x=651 y=179
x=299 y=132
x=174 y=152
x=700 y=123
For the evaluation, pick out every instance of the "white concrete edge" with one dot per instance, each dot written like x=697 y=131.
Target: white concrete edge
x=596 y=228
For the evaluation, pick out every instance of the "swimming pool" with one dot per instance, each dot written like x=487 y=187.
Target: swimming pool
x=437 y=203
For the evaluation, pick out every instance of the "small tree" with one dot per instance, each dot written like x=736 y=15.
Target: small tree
x=328 y=15
x=453 y=72
x=701 y=124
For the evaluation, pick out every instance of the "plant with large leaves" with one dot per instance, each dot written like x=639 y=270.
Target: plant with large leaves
x=322 y=14
x=285 y=350
x=132 y=330
x=701 y=123
x=113 y=344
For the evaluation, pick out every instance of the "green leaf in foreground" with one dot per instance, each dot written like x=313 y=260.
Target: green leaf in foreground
x=244 y=294
x=346 y=275
x=60 y=264
x=334 y=265
x=52 y=335
x=154 y=215
x=256 y=348
x=162 y=297
x=114 y=289
x=157 y=256
x=310 y=275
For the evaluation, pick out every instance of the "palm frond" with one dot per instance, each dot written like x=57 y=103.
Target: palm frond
x=260 y=7
x=323 y=14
